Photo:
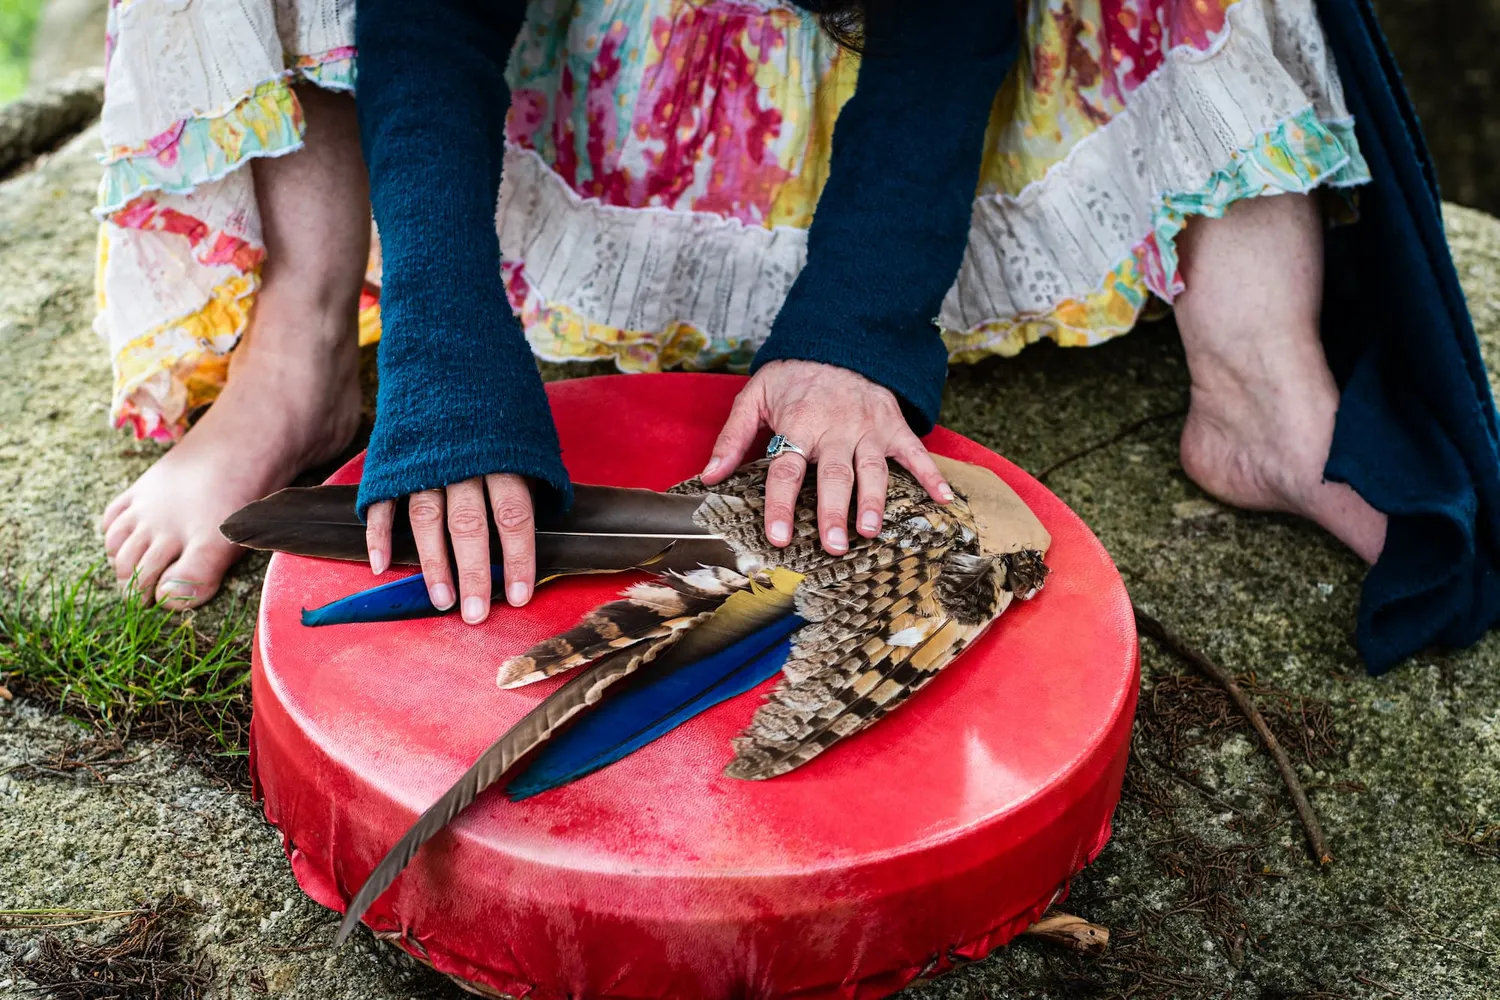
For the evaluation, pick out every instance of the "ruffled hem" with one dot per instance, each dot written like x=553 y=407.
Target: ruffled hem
x=1297 y=156
x=265 y=122
x=168 y=373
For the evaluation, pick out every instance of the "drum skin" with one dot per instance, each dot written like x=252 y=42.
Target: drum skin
x=931 y=838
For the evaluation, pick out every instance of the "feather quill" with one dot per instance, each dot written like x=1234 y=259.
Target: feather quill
x=534 y=728
x=752 y=611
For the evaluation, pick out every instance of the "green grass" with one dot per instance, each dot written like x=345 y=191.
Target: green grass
x=17 y=25
x=109 y=657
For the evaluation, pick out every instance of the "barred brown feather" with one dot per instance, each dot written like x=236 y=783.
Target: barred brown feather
x=648 y=611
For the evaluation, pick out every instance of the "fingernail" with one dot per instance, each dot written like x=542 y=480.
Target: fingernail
x=518 y=593
x=780 y=532
x=442 y=597
x=377 y=562
x=945 y=491
x=869 y=521
x=838 y=539
x=473 y=609
x=712 y=466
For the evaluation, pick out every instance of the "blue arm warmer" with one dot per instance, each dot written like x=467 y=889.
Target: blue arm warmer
x=459 y=394
x=893 y=220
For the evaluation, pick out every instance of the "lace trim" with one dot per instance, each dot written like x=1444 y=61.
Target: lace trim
x=632 y=270
x=265 y=122
x=1295 y=157
x=157 y=387
x=1194 y=115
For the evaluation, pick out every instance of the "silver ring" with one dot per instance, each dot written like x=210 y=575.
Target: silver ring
x=780 y=446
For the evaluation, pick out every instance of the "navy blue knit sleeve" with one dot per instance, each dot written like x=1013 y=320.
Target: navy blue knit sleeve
x=459 y=393
x=891 y=225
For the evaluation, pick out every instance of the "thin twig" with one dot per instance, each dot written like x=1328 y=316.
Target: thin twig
x=1119 y=435
x=1174 y=645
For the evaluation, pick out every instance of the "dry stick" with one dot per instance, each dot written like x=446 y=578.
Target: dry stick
x=1119 y=435
x=1172 y=644
x=1073 y=933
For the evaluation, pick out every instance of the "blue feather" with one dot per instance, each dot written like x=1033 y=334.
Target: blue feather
x=396 y=601
x=653 y=705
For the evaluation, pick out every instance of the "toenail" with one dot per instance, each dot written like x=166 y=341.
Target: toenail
x=442 y=596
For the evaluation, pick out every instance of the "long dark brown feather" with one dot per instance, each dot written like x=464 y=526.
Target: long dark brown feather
x=608 y=529
x=742 y=613
x=535 y=727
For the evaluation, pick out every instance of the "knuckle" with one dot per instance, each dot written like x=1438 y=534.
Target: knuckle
x=836 y=474
x=785 y=472
x=513 y=516
x=425 y=511
x=799 y=412
x=467 y=521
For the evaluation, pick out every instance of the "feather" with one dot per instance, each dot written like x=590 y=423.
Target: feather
x=742 y=614
x=648 y=611
x=583 y=690
x=608 y=529
x=654 y=703
x=399 y=600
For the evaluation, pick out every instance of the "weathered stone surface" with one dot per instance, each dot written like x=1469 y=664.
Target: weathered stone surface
x=1415 y=757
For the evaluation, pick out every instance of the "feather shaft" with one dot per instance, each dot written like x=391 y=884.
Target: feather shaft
x=582 y=691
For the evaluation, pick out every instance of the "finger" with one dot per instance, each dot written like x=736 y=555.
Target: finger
x=425 y=510
x=469 y=527
x=874 y=477
x=835 y=486
x=379 y=517
x=910 y=452
x=783 y=482
x=510 y=498
x=740 y=428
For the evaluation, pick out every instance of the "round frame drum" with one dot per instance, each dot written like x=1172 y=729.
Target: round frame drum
x=933 y=837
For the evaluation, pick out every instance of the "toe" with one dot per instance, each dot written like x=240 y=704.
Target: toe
x=116 y=507
x=195 y=577
x=120 y=529
x=161 y=554
x=128 y=553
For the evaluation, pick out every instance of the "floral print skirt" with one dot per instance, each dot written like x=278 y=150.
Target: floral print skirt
x=665 y=159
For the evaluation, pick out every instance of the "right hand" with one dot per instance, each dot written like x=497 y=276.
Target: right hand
x=459 y=511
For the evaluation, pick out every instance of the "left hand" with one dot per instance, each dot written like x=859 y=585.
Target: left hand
x=847 y=424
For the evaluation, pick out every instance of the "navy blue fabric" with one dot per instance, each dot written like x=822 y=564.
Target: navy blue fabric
x=893 y=220
x=459 y=393
x=1417 y=430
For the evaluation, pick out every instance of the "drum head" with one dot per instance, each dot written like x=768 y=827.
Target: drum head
x=934 y=836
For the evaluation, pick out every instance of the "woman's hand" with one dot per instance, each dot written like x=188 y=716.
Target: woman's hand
x=460 y=511
x=847 y=424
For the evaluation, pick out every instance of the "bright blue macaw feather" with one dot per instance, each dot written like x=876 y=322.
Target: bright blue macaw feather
x=399 y=600
x=652 y=706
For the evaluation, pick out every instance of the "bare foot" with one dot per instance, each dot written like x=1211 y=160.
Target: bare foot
x=1263 y=447
x=292 y=397
x=279 y=413
x=1263 y=404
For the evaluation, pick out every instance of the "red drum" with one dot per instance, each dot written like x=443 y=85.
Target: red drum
x=933 y=837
